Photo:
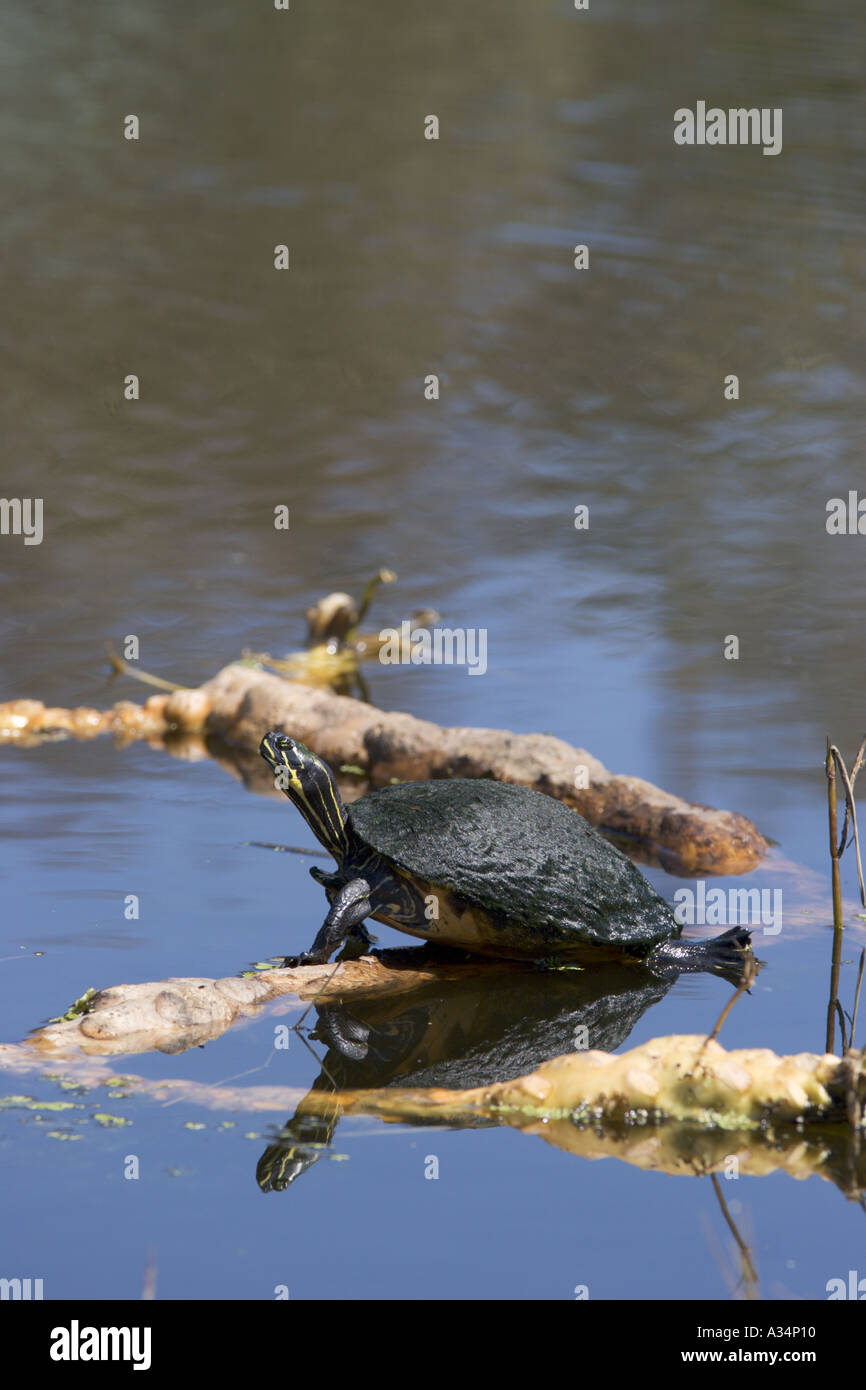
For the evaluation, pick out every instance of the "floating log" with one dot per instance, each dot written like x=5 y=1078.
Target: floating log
x=176 y=1014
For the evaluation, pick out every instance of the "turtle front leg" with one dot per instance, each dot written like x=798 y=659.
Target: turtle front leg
x=348 y=909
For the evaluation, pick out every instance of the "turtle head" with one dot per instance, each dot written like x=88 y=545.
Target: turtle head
x=309 y=783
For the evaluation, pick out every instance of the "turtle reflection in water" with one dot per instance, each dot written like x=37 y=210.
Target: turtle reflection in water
x=492 y=868
x=474 y=1030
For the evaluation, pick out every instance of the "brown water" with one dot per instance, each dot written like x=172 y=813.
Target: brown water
x=559 y=387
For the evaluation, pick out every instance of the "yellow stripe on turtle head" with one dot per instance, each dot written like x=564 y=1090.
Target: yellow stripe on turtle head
x=310 y=784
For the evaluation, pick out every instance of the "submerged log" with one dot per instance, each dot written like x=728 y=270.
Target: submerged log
x=681 y=1148
x=239 y=704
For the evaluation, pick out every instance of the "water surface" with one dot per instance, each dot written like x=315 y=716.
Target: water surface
x=558 y=388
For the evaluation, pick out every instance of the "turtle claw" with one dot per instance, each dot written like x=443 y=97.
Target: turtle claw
x=294 y=962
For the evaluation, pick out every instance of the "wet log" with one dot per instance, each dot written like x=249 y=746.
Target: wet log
x=239 y=705
x=175 y=1014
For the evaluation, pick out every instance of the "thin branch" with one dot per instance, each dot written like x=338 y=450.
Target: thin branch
x=750 y=971
x=850 y=809
x=124 y=668
x=858 y=761
x=857 y=995
x=287 y=849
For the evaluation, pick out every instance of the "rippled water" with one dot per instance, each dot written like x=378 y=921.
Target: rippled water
x=558 y=388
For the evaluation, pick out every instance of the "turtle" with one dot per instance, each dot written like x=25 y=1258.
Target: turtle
x=490 y=867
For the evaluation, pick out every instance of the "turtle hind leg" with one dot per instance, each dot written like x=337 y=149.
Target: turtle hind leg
x=348 y=909
x=721 y=955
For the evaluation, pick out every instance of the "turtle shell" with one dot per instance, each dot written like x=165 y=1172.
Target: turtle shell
x=519 y=859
